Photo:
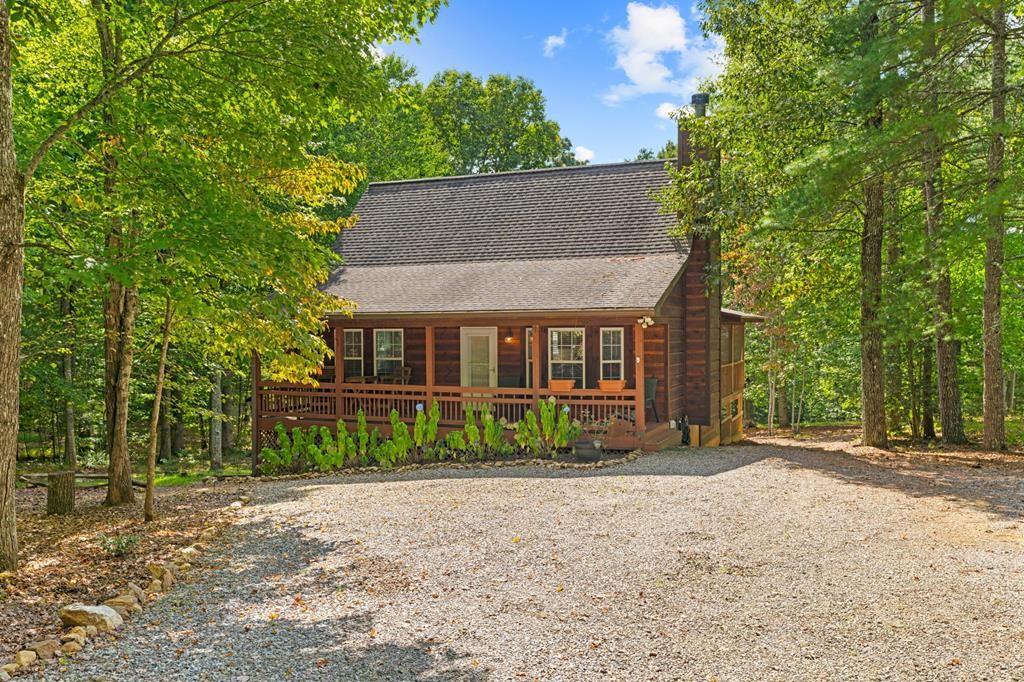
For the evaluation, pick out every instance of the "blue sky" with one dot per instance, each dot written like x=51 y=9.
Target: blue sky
x=611 y=70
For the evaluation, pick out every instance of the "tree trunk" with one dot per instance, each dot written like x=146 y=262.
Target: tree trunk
x=149 y=511
x=895 y=384
x=60 y=492
x=872 y=366
x=68 y=374
x=164 y=430
x=1013 y=392
x=914 y=390
x=928 y=392
x=771 y=390
x=783 y=405
x=946 y=355
x=994 y=430
x=230 y=414
x=216 y=415
x=799 y=415
x=121 y=309
x=12 y=230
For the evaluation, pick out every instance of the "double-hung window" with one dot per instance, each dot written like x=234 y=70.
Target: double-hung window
x=388 y=352
x=611 y=353
x=567 y=355
x=352 y=350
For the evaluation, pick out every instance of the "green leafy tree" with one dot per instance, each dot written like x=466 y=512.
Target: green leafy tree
x=495 y=125
x=104 y=86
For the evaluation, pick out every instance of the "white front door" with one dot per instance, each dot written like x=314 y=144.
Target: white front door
x=479 y=353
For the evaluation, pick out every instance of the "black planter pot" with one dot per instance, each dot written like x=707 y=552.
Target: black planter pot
x=586 y=452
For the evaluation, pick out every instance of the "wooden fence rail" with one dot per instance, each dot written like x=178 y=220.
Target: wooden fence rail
x=330 y=402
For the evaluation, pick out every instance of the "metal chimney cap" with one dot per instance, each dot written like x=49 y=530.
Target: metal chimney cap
x=700 y=98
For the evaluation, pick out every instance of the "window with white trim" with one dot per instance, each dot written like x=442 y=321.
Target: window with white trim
x=352 y=353
x=567 y=354
x=612 y=353
x=388 y=352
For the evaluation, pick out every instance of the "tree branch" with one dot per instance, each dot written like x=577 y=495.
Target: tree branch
x=135 y=69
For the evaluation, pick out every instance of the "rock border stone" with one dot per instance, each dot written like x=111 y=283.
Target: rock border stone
x=85 y=622
x=405 y=468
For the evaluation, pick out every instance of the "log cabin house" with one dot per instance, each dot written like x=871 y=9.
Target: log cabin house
x=509 y=288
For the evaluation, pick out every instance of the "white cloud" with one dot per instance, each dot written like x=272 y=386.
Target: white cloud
x=645 y=46
x=552 y=43
x=584 y=155
x=665 y=110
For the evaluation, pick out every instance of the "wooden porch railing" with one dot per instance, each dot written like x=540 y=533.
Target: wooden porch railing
x=329 y=402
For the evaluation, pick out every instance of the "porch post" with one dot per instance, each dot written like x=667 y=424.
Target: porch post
x=641 y=401
x=256 y=445
x=430 y=367
x=338 y=341
x=535 y=369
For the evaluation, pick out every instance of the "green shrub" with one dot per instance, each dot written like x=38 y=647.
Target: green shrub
x=494 y=433
x=318 y=447
x=425 y=426
x=401 y=439
x=117 y=545
x=471 y=432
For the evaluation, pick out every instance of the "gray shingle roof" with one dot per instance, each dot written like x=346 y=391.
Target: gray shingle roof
x=554 y=284
x=586 y=238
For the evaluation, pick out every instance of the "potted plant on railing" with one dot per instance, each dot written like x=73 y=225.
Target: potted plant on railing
x=561 y=385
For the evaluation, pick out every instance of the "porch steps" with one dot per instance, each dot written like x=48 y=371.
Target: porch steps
x=660 y=436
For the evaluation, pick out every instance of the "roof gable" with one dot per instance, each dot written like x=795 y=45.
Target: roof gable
x=565 y=239
x=575 y=212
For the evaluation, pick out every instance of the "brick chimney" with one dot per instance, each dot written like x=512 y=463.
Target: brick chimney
x=702 y=285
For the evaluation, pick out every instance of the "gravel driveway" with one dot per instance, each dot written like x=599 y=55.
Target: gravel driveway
x=741 y=563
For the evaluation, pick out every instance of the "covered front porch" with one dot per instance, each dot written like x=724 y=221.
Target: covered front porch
x=605 y=369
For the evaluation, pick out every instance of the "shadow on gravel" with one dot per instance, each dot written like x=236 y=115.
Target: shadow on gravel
x=994 y=489
x=998 y=490
x=282 y=563
x=279 y=603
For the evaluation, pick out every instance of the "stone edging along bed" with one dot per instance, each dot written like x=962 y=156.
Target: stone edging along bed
x=83 y=622
x=485 y=464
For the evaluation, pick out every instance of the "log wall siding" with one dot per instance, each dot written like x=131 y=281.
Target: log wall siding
x=656 y=365
x=673 y=315
x=512 y=356
x=448 y=368
x=416 y=353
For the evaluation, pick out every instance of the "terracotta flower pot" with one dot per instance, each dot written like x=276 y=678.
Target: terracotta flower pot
x=611 y=385
x=561 y=385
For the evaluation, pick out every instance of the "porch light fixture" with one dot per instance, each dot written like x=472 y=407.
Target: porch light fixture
x=510 y=339
x=645 y=322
